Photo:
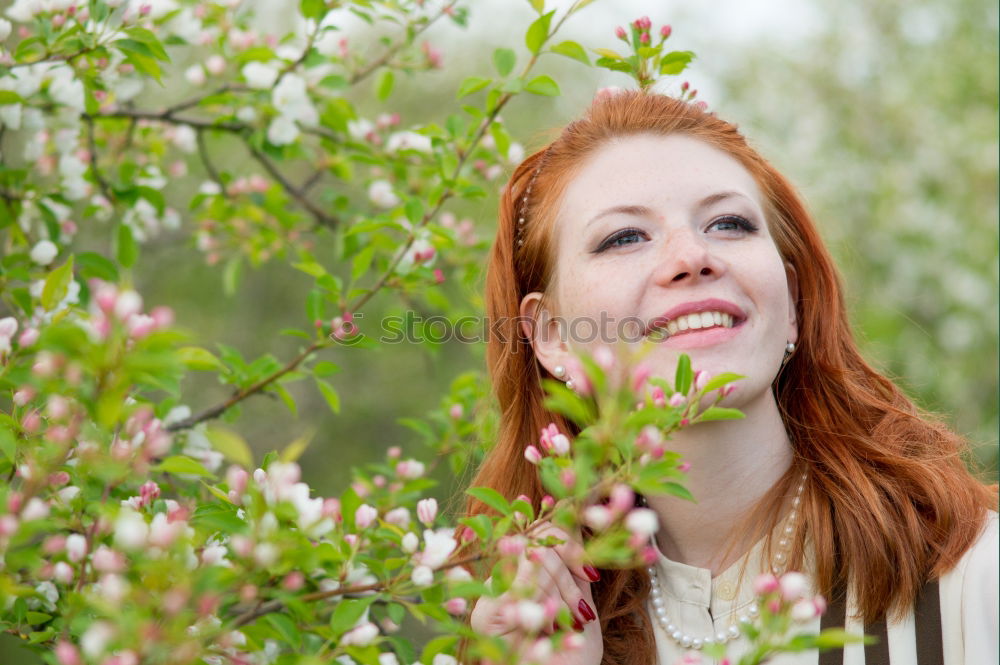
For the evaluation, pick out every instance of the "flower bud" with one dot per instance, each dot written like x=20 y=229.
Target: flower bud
x=701 y=378
x=63 y=572
x=456 y=606
x=28 y=337
x=427 y=510
x=67 y=654
x=665 y=31
x=621 y=499
x=410 y=469
x=360 y=636
x=399 y=517
x=765 y=584
x=793 y=586
x=456 y=411
x=76 y=547
x=597 y=517
x=394 y=452
x=126 y=304
x=642 y=522
x=237 y=479
x=532 y=454
x=620 y=33
x=511 y=545
x=365 y=516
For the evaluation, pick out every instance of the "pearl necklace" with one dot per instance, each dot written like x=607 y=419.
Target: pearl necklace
x=778 y=560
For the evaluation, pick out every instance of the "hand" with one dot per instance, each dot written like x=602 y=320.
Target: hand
x=556 y=577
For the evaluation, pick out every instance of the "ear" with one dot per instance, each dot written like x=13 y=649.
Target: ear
x=792 y=277
x=544 y=330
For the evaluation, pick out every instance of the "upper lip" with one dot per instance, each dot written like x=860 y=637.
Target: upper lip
x=693 y=307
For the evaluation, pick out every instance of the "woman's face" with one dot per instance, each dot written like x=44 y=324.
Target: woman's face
x=667 y=234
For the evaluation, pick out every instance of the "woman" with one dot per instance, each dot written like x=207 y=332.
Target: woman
x=649 y=208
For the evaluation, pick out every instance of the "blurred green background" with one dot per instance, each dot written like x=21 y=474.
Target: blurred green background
x=883 y=114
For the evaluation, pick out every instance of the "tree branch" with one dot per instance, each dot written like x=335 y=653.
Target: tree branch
x=239 y=396
x=296 y=193
x=209 y=167
x=92 y=149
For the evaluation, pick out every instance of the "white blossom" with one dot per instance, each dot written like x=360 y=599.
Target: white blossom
x=195 y=75
x=66 y=89
x=5 y=28
x=260 y=76
x=408 y=141
x=96 y=638
x=23 y=11
x=360 y=129
x=131 y=530
x=185 y=138
x=44 y=252
x=380 y=193
x=282 y=130
x=422 y=576
x=10 y=116
x=438 y=546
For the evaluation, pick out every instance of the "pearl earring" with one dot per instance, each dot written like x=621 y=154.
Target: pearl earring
x=569 y=384
x=790 y=348
x=559 y=371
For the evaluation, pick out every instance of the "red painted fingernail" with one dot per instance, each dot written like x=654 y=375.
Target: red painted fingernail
x=586 y=611
x=591 y=573
x=577 y=626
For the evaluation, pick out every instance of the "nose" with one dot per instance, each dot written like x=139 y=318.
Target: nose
x=687 y=258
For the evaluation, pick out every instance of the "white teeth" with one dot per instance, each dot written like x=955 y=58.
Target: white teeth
x=697 y=321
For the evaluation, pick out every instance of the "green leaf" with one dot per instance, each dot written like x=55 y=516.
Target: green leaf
x=199 y=359
x=9 y=97
x=329 y=394
x=8 y=442
x=538 y=32
x=150 y=41
x=231 y=445
x=720 y=380
x=362 y=261
x=537 y=5
x=543 y=85
x=286 y=628
x=183 y=464
x=294 y=450
x=573 y=50
x=57 y=284
x=231 y=274
x=312 y=8
x=384 y=83
x=675 y=62
x=683 y=376
x=608 y=53
x=471 y=85
x=436 y=646
x=92 y=264
x=347 y=613
x=314 y=305
x=127 y=251
x=491 y=498
x=720 y=413
x=504 y=60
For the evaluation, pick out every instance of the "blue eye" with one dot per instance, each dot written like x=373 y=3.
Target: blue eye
x=620 y=238
x=733 y=223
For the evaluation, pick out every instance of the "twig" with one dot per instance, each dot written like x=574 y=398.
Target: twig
x=239 y=396
x=167 y=116
x=209 y=167
x=372 y=66
x=295 y=192
x=194 y=101
x=92 y=149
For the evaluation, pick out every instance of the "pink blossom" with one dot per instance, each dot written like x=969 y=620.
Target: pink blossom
x=656 y=393
x=644 y=38
x=684 y=467
x=640 y=374
x=410 y=469
x=107 y=560
x=701 y=377
x=677 y=400
x=54 y=544
x=620 y=32
x=427 y=510
x=294 y=581
x=399 y=517
x=331 y=509
x=665 y=31
x=649 y=555
x=548 y=502
x=365 y=516
x=456 y=606
x=28 y=337
x=511 y=545
x=149 y=492
x=394 y=452
x=23 y=395
x=67 y=654
x=237 y=479
x=438 y=276
x=8 y=525
x=530 y=615
x=57 y=407
x=804 y=610
x=621 y=499
x=140 y=325
x=568 y=478
x=126 y=304
x=35 y=510
x=59 y=478
x=456 y=411
x=765 y=584
x=532 y=455
x=163 y=532
x=63 y=572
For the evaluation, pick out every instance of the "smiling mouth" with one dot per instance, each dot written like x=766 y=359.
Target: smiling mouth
x=687 y=323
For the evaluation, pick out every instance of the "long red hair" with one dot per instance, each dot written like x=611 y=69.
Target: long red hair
x=890 y=502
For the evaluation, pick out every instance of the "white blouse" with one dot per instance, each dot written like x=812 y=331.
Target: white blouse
x=700 y=605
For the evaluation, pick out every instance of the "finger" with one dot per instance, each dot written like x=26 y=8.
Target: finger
x=571 y=552
x=569 y=589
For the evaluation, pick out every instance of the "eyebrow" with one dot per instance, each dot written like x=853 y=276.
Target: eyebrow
x=644 y=211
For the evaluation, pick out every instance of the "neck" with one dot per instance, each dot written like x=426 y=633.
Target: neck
x=733 y=464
